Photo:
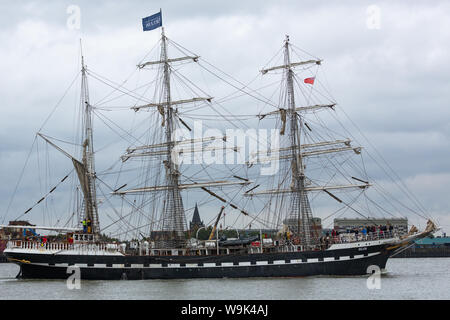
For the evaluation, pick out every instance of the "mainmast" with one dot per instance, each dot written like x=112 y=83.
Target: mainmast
x=173 y=219
x=174 y=216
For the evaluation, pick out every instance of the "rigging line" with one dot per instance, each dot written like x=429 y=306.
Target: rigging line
x=240 y=89
x=329 y=159
x=337 y=211
x=312 y=86
x=367 y=218
x=131 y=74
x=48 y=193
x=59 y=101
x=39 y=168
x=154 y=47
x=334 y=213
x=262 y=221
x=323 y=86
x=229 y=98
x=68 y=220
x=103 y=80
x=231 y=122
x=313 y=92
x=180 y=77
x=153 y=221
x=274 y=56
x=296 y=47
x=371 y=157
x=214 y=117
x=381 y=208
x=20 y=179
x=101 y=116
x=378 y=163
x=135 y=209
x=112 y=91
x=396 y=200
x=408 y=193
x=63 y=141
x=228 y=202
x=219 y=104
x=267 y=204
x=387 y=196
x=114 y=209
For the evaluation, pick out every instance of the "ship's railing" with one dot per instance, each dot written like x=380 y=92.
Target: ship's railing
x=353 y=237
x=144 y=249
x=61 y=246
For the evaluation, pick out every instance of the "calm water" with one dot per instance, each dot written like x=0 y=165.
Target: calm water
x=406 y=279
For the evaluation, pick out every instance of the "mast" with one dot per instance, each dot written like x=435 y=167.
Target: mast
x=300 y=207
x=174 y=219
x=167 y=147
x=88 y=172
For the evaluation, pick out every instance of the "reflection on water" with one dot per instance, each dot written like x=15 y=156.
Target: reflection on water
x=425 y=278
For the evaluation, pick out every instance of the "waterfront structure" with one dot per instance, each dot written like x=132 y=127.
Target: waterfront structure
x=346 y=224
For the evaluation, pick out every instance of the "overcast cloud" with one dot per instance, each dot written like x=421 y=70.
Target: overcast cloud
x=393 y=79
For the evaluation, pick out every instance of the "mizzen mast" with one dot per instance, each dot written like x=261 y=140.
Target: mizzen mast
x=301 y=209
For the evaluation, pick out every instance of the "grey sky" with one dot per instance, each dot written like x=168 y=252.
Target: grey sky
x=392 y=81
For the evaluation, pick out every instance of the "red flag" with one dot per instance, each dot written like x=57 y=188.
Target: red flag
x=309 y=80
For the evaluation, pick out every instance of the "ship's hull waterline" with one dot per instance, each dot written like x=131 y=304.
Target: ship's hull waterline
x=345 y=262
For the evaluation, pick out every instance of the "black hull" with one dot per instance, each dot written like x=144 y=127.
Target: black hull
x=343 y=262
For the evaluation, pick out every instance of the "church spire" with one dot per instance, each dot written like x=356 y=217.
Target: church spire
x=196 y=221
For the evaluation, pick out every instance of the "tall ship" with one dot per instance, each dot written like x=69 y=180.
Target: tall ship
x=274 y=188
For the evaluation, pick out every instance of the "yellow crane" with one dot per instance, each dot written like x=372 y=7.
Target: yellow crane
x=215 y=224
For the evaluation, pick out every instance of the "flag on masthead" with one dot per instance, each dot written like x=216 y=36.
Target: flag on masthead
x=152 y=22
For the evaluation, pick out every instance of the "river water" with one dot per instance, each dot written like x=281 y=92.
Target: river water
x=406 y=279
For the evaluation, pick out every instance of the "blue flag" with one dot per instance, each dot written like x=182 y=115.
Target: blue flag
x=152 y=22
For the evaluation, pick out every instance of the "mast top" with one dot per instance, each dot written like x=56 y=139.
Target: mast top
x=83 y=66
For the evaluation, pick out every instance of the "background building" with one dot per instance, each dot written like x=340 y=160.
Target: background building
x=344 y=224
